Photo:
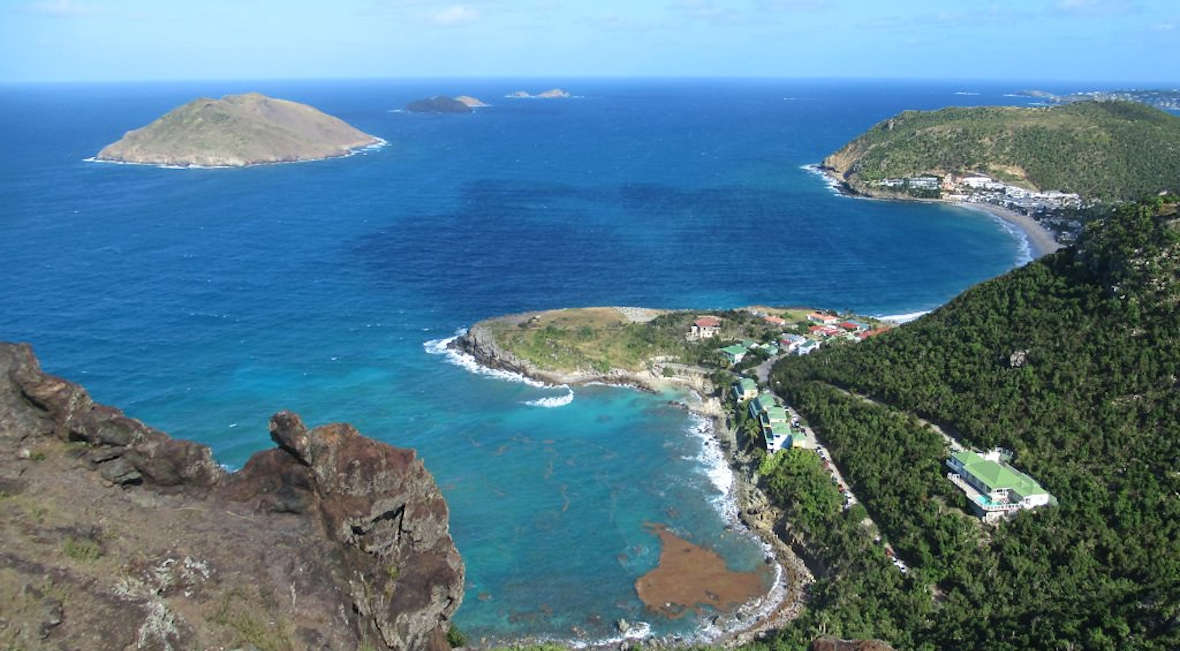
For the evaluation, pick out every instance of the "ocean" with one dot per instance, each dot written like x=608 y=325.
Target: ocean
x=202 y=301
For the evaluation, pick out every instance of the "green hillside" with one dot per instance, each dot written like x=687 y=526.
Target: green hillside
x=1071 y=362
x=1101 y=150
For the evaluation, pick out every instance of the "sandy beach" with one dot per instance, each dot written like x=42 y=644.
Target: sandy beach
x=1040 y=240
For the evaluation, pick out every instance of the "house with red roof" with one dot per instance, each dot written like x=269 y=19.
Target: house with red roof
x=824 y=330
x=774 y=320
x=705 y=327
x=854 y=326
x=870 y=333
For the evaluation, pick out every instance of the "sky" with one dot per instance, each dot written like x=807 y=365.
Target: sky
x=1121 y=41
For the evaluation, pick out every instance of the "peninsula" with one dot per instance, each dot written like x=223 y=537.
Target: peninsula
x=236 y=131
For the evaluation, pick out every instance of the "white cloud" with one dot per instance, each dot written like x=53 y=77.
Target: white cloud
x=455 y=15
x=1164 y=27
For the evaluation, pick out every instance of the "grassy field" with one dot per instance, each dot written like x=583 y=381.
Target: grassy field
x=605 y=338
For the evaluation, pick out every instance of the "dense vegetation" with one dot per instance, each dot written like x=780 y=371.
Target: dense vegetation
x=1071 y=362
x=1100 y=150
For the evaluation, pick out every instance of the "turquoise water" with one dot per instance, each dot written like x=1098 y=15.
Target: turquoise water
x=202 y=301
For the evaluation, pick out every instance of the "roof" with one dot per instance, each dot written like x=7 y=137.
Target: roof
x=735 y=349
x=998 y=476
x=777 y=414
x=707 y=322
x=777 y=320
x=748 y=384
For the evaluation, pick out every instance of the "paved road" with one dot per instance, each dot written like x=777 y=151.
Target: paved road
x=763 y=369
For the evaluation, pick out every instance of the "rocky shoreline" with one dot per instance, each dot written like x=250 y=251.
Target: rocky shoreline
x=754 y=510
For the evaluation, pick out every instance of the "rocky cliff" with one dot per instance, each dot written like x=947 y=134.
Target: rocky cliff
x=235 y=131
x=115 y=535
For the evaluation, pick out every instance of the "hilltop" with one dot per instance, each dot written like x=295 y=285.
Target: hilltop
x=1099 y=150
x=1069 y=364
x=235 y=131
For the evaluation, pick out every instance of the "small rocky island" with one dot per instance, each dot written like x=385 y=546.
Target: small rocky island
x=114 y=535
x=552 y=93
x=440 y=104
x=236 y=131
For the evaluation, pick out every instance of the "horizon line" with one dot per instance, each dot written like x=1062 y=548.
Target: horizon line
x=1143 y=84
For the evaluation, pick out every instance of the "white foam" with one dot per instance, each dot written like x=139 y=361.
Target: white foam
x=715 y=465
x=903 y=318
x=553 y=401
x=381 y=142
x=964 y=92
x=1024 y=246
x=467 y=361
x=833 y=184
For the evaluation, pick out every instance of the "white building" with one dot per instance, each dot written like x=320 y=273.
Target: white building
x=994 y=488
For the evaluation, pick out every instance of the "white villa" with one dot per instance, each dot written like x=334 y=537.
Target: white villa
x=994 y=488
x=705 y=327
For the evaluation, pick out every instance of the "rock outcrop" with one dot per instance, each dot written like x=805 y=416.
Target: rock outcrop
x=115 y=535
x=235 y=131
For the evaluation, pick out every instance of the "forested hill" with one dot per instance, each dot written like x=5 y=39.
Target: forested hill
x=1100 y=150
x=1072 y=363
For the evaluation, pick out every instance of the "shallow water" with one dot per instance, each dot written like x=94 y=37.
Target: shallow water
x=202 y=301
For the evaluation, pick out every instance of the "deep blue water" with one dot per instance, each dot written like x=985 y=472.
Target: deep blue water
x=202 y=301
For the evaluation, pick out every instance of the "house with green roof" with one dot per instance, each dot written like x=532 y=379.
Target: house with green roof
x=994 y=488
x=745 y=389
x=734 y=353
